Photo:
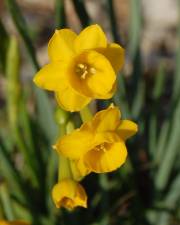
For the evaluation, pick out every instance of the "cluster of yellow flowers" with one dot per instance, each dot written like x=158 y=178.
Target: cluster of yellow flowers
x=82 y=68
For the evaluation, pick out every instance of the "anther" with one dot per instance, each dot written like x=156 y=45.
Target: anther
x=83 y=76
x=83 y=70
x=92 y=70
x=100 y=147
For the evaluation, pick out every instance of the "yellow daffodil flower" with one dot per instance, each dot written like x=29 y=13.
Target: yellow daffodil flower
x=82 y=67
x=17 y=222
x=69 y=194
x=99 y=145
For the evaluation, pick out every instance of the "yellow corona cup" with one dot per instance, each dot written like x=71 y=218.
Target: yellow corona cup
x=99 y=145
x=17 y=222
x=82 y=67
x=69 y=194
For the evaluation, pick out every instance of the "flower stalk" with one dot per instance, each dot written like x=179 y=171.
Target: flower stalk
x=85 y=114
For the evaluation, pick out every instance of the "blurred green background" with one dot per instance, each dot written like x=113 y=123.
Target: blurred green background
x=146 y=190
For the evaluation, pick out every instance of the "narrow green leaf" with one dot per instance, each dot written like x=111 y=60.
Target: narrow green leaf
x=160 y=79
x=176 y=85
x=21 y=212
x=13 y=99
x=139 y=99
x=112 y=18
x=170 y=201
x=162 y=142
x=135 y=27
x=44 y=108
x=153 y=135
x=4 y=40
x=6 y=201
x=60 y=17
x=171 y=151
x=120 y=97
x=45 y=116
x=22 y=27
x=81 y=12
x=11 y=174
x=13 y=82
x=137 y=86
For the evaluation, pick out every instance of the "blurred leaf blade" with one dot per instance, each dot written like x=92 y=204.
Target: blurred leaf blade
x=81 y=12
x=167 y=164
x=12 y=176
x=4 y=40
x=22 y=28
x=135 y=27
x=13 y=99
x=6 y=202
x=41 y=97
x=60 y=17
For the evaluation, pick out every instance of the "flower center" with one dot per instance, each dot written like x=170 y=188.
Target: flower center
x=83 y=70
x=101 y=147
x=67 y=202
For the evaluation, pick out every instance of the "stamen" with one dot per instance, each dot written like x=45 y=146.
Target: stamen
x=101 y=147
x=111 y=105
x=83 y=76
x=92 y=70
x=81 y=66
x=83 y=70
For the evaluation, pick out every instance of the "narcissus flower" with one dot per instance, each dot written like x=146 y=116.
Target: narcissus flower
x=69 y=194
x=17 y=222
x=99 y=145
x=82 y=67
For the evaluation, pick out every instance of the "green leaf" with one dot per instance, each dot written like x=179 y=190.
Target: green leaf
x=60 y=17
x=138 y=101
x=4 y=41
x=6 y=201
x=10 y=173
x=135 y=27
x=21 y=25
x=170 y=152
x=170 y=201
x=160 y=79
x=112 y=18
x=81 y=12
x=45 y=116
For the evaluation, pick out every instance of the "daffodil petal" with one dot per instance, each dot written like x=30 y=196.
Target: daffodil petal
x=107 y=136
x=109 y=94
x=61 y=45
x=75 y=144
x=97 y=83
x=79 y=169
x=90 y=38
x=52 y=76
x=100 y=83
x=70 y=100
x=17 y=222
x=115 y=54
x=69 y=194
x=106 y=120
x=127 y=129
x=106 y=161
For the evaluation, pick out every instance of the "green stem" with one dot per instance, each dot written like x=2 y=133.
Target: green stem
x=81 y=12
x=85 y=114
x=64 y=163
x=60 y=17
x=64 y=170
